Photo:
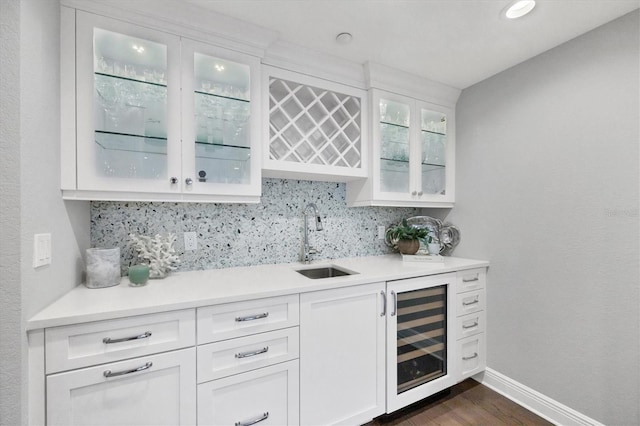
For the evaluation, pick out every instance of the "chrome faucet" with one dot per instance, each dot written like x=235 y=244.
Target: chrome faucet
x=307 y=250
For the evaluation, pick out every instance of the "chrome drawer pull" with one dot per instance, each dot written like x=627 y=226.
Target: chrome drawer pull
x=467 y=358
x=252 y=353
x=395 y=303
x=109 y=340
x=108 y=373
x=384 y=303
x=470 y=280
x=252 y=317
x=470 y=303
x=475 y=324
x=265 y=416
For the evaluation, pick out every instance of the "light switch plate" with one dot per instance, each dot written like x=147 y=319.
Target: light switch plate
x=190 y=241
x=41 y=250
x=381 y=231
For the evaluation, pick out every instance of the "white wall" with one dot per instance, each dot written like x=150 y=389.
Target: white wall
x=548 y=191
x=10 y=308
x=30 y=182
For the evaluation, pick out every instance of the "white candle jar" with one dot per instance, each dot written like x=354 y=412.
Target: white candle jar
x=103 y=267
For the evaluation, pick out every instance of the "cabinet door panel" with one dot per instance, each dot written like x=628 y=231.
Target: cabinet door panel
x=268 y=394
x=127 y=88
x=342 y=355
x=161 y=392
x=220 y=104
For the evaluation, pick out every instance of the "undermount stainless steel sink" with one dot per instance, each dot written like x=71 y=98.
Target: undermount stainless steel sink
x=324 y=272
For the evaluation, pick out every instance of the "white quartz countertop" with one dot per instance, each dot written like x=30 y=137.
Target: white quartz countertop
x=189 y=289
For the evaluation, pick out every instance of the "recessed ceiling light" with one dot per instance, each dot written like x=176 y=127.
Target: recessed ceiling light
x=344 y=38
x=519 y=8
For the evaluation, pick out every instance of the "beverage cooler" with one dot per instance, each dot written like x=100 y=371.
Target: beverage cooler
x=420 y=342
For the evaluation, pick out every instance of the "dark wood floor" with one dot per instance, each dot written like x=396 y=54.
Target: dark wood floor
x=469 y=403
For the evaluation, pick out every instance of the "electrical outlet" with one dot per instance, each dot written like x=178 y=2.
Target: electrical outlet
x=190 y=241
x=381 y=232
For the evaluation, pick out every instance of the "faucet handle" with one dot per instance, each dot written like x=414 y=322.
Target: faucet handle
x=313 y=250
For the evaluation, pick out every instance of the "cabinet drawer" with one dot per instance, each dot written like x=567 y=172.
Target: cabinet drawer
x=469 y=302
x=473 y=279
x=151 y=390
x=268 y=395
x=81 y=345
x=470 y=324
x=239 y=319
x=221 y=359
x=471 y=356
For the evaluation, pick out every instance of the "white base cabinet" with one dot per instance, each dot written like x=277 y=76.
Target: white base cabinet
x=151 y=390
x=342 y=355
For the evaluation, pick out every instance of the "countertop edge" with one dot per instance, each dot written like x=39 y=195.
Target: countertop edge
x=55 y=314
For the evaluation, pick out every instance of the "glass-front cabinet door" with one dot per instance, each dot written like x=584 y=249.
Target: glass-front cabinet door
x=395 y=146
x=127 y=89
x=220 y=101
x=148 y=115
x=413 y=152
x=420 y=339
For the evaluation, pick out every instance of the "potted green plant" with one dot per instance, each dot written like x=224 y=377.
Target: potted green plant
x=408 y=237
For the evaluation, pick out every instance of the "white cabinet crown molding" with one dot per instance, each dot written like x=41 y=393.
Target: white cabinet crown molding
x=383 y=77
x=185 y=19
x=293 y=57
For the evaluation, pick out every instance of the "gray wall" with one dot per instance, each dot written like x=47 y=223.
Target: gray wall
x=30 y=185
x=547 y=190
x=10 y=309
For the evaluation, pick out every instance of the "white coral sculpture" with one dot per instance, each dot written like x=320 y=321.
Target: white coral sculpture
x=158 y=251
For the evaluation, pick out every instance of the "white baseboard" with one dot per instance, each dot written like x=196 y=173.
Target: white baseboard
x=534 y=401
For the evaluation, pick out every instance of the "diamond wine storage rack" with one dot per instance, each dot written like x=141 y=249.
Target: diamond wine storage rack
x=316 y=128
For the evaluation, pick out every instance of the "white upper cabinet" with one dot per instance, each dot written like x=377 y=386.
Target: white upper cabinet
x=316 y=129
x=153 y=116
x=412 y=147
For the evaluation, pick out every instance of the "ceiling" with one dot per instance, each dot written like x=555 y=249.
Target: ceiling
x=456 y=42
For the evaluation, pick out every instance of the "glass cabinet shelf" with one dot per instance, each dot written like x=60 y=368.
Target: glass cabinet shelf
x=137 y=80
x=215 y=95
x=433 y=132
x=388 y=123
x=222 y=152
x=131 y=143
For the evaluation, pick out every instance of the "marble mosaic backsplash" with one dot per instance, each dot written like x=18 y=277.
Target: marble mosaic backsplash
x=250 y=234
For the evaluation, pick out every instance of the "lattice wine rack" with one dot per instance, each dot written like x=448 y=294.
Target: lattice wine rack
x=310 y=125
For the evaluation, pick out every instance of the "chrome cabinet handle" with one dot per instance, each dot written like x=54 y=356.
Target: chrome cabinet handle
x=466 y=327
x=395 y=303
x=109 y=340
x=470 y=303
x=252 y=353
x=384 y=303
x=470 y=280
x=258 y=419
x=173 y=180
x=467 y=358
x=188 y=181
x=108 y=373
x=252 y=317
